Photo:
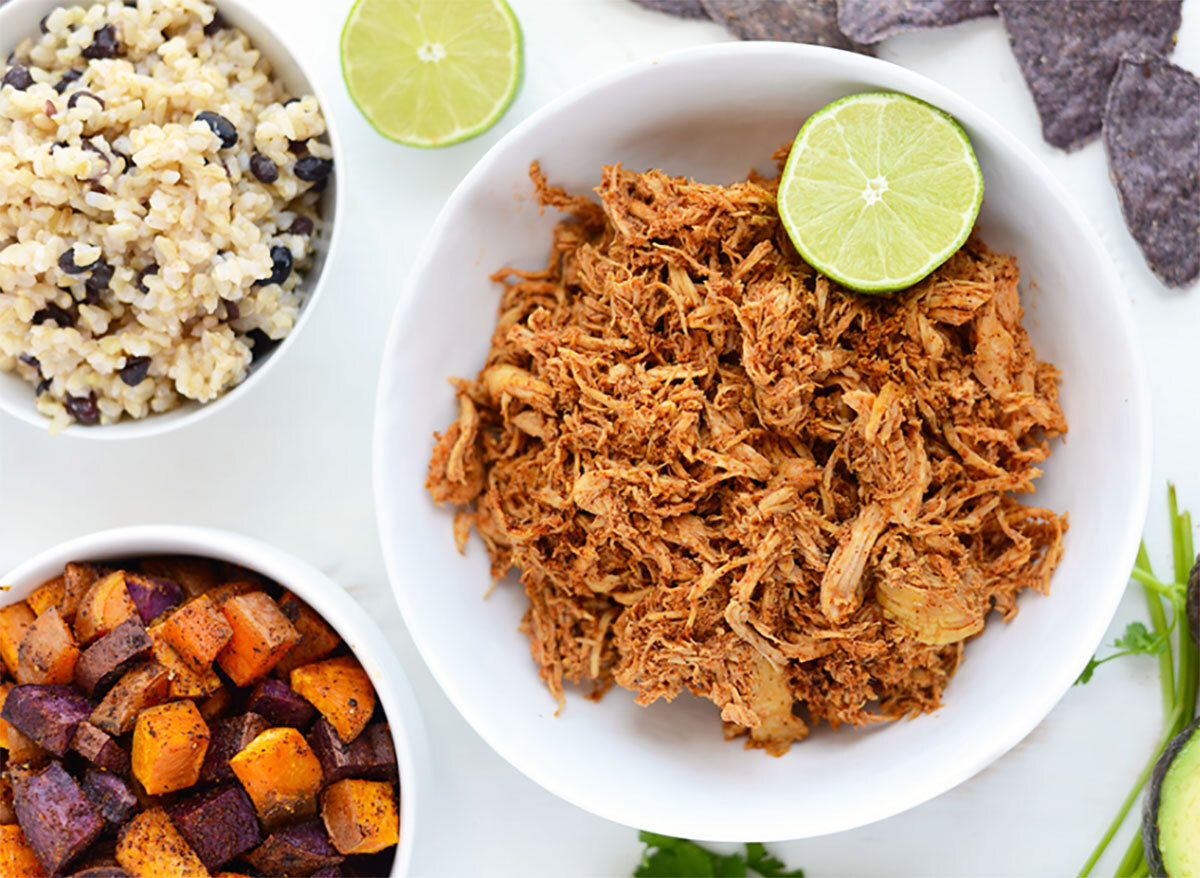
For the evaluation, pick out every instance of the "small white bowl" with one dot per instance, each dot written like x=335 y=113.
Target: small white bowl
x=337 y=607
x=713 y=113
x=19 y=19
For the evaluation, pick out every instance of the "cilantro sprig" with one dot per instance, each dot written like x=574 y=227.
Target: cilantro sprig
x=667 y=857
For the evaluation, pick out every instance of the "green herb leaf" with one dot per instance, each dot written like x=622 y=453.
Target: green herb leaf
x=1085 y=676
x=667 y=857
x=1139 y=641
x=766 y=865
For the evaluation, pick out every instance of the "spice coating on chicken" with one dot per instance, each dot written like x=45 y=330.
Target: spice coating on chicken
x=717 y=470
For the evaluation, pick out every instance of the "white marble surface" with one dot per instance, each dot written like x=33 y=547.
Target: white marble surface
x=290 y=464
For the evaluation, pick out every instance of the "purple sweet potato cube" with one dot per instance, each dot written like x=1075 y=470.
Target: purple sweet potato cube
x=152 y=595
x=297 y=850
x=228 y=738
x=58 y=820
x=218 y=825
x=110 y=796
x=47 y=714
x=103 y=663
x=372 y=755
x=98 y=748
x=280 y=704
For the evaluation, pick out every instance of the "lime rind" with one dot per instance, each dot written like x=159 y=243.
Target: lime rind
x=400 y=72
x=825 y=154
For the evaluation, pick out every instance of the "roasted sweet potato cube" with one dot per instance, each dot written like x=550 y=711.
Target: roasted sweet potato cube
x=198 y=631
x=341 y=690
x=58 y=820
x=24 y=752
x=152 y=595
x=281 y=774
x=216 y=705
x=296 y=850
x=185 y=683
x=317 y=639
x=98 y=748
x=15 y=620
x=17 y=859
x=218 y=825
x=261 y=636
x=194 y=575
x=106 y=660
x=4 y=688
x=141 y=688
x=48 y=594
x=361 y=815
x=372 y=755
x=104 y=606
x=276 y=700
x=47 y=714
x=169 y=743
x=47 y=653
x=7 y=814
x=77 y=579
x=229 y=737
x=150 y=847
x=112 y=798
x=226 y=590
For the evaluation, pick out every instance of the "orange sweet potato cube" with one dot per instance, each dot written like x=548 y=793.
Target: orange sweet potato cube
x=77 y=579
x=17 y=859
x=317 y=639
x=169 y=743
x=104 y=606
x=280 y=773
x=4 y=687
x=47 y=595
x=198 y=631
x=361 y=816
x=261 y=637
x=47 y=653
x=15 y=620
x=341 y=690
x=185 y=682
x=151 y=847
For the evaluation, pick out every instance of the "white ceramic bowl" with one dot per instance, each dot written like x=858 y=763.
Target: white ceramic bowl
x=321 y=593
x=713 y=113
x=19 y=19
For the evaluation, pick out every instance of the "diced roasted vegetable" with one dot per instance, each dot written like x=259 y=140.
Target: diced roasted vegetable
x=77 y=579
x=141 y=688
x=341 y=690
x=229 y=737
x=195 y=575
x=152 y=595
x=112 y=798
x=4 y=688
x=47 y=653
x=23 y=751
x=261 y=637
x=317 y=639
x=169 y=743
x=7 y=814
x=47 y=595
x=281 y=774
x=218 y=825
x=276 y=700
x=98 y=748
x=185 y=683
x=17 y=859
x=198 y=631
x=216 y=705
x=102 y=872
x=107 y=660
x=151 y=847
x=297 y=850
x=47 y=714
x=372 y=755
x=15 y=620
x=361 y=816
x=104 y=606
x=226 y=590
x=58 y=820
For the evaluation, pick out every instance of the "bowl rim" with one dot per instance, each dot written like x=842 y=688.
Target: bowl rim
x=1057 y=680
x=189 y=411
x=335 y=604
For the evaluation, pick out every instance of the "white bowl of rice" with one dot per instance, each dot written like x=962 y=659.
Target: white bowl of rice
x=168 y=195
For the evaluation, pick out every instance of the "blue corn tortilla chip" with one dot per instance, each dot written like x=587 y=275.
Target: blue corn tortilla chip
x=1152 y=138
x=869 y=21
x=1068 y=51
x=678 y=8
x=796 y=21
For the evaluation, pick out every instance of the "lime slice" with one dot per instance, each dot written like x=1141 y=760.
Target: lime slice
x=431 y=72
x=879 y=190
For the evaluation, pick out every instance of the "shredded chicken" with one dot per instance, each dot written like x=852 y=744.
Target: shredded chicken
x=715 y=469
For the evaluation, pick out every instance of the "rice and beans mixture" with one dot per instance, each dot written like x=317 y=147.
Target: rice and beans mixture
x=158 y=207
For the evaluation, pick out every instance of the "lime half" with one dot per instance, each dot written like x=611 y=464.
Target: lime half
x=431 y=72
x=879 y=190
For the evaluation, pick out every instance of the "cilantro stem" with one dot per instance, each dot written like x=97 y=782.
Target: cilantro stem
x=1166 y=659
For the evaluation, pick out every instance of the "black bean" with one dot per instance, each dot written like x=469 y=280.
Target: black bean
x=232 y=311
x=298 y=148
x=134 y=371
x=98 y=282
x=30 y=361
x=84 y=94
x=313 y=169
x=67 y=78
x=18 y=77
x=43 y=386
x=291 y=101
x=220 y=126
x=281 y=266
x=67 y=263
x=301 y=225
x=83 y=409
x=51 y=110
x=104 y=44
x=128 y=159
x=42 y=24
x=263 y=168
x=217 y=24
x=152 y=268
x=61 y=317
x=262 y=344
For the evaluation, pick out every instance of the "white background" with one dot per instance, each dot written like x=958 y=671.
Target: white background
x=290 y=464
